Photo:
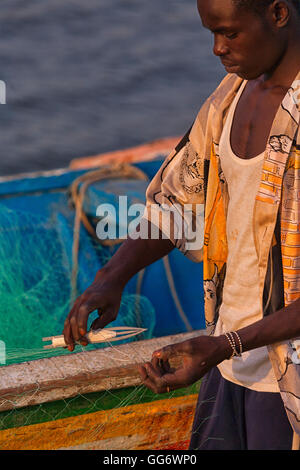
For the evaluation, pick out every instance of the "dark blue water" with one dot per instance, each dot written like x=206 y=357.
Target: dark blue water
x=90 y=76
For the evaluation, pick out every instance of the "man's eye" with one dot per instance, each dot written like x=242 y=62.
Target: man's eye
x=231 y=36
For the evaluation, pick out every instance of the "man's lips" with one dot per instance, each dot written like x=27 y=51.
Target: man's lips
x=231 y=68
x=228 y=64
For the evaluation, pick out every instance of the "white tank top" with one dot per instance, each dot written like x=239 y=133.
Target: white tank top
x=241 y=301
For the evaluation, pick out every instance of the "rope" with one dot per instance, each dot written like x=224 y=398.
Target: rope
x=77 y=192
x=174 y=294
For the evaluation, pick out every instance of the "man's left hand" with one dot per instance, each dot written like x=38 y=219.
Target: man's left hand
x=198 y=356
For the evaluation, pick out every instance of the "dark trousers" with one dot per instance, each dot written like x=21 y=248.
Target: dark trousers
x=231 y=417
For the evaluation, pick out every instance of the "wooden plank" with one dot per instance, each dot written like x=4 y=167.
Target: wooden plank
x=145 y=426
x=35 y=174
x=61 y=377
x=140 y=153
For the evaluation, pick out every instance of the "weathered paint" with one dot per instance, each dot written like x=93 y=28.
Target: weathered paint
x=155 y=425
x=61 y=377
x=143 y=152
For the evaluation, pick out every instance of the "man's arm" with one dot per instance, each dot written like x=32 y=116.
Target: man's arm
x=105 y=293
x=165 y=194
x=280 y=326
x=200 y=354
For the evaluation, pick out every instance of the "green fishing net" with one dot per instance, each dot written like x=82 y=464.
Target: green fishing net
x=35 y=284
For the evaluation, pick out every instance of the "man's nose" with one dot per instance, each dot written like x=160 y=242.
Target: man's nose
x=220 y=47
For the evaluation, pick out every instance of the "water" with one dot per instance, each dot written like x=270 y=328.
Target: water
x=85 y=77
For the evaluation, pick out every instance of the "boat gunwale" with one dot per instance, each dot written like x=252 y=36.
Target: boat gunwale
x=140 y=153
x=60 y=377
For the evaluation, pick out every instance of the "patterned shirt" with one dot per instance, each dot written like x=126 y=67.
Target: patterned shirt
x=191 y=176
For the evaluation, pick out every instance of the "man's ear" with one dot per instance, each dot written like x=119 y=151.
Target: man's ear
x=281 y=12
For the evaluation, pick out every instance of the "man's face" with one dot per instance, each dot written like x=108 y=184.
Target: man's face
x=246 y=44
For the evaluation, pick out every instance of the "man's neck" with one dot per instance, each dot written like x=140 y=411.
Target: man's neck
x=286 y=70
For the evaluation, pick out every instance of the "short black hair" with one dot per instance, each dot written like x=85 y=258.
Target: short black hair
x=258 y=6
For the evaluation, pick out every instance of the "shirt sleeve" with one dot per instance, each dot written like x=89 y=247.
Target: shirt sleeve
x=175 y=199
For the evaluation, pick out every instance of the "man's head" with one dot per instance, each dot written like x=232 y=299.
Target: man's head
x=250 y=36
x=259 y=6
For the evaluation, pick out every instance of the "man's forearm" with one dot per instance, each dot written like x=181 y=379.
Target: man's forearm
x=134 y=255
x=280 y=326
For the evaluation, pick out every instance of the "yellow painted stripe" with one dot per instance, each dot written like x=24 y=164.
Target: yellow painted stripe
x=144 y=426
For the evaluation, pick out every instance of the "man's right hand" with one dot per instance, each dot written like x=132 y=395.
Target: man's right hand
x=104 y=295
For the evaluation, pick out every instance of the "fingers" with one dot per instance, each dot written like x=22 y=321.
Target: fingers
x=168 y=352
x=184 y=348
x=104 y=319
x=154 y=382
x=159 y=382
x=143 y=373
x=96 y=324
x=67 y=331
x=75 y=326
x=160 y=377
x=163 y=365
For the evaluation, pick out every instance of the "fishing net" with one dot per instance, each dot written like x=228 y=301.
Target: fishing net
x=35 y=287
x=92 y=398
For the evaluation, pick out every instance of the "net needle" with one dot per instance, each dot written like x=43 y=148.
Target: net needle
x=117 y=333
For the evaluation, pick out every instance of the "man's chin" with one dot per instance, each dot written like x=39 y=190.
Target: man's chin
x=247 y=75
x=237 y=70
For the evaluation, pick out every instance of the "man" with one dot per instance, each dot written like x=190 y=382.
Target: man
x=241 y=161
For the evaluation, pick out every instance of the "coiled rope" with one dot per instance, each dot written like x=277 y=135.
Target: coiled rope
x=77 y=194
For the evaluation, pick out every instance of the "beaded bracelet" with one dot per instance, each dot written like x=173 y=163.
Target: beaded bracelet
x=240 y=342
x=232 y=343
